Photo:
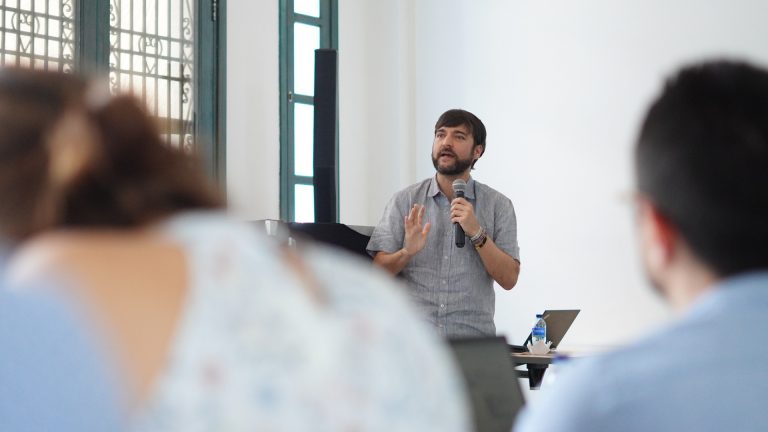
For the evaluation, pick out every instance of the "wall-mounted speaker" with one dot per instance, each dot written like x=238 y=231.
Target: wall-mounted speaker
x=325 y=148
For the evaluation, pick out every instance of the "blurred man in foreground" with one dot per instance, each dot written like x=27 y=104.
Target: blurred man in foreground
x=702 y=213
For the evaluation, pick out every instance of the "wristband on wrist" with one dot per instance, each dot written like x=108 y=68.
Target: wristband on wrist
x=477 y=236
x=479 y=240
x=480 y=243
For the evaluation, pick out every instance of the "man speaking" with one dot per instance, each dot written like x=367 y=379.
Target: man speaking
x=450 y=236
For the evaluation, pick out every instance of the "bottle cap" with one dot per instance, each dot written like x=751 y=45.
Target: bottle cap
x=539 y=315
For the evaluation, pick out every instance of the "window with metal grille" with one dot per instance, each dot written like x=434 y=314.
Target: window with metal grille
x=305 y=25
x=37 y=34
x=166 y=52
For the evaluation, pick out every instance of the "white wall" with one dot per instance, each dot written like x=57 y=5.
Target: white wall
x=253 y=109
x=561 y=86
x=376 y=106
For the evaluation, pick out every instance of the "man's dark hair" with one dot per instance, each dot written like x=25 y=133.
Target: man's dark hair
x=702 y=159
x=459 y=117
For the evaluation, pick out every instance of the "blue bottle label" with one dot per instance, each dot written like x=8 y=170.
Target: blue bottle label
x=539 y=332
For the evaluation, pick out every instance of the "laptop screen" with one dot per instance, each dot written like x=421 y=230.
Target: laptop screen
x=491 y=380
x=558 y=323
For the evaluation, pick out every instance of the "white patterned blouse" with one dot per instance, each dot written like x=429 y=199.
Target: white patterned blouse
x=255 y=351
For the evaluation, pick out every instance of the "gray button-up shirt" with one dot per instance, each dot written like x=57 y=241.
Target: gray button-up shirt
x=449 y=284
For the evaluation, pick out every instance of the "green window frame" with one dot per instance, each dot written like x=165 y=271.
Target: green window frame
x=85 y=36
x=296 y=102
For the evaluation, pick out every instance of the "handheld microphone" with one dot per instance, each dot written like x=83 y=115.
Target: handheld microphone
x=459 y=186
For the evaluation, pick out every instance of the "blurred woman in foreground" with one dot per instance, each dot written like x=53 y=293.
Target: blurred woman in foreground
x=213 y=326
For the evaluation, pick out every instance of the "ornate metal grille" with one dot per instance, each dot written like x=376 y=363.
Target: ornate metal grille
x=37 y=33
x=152 y=56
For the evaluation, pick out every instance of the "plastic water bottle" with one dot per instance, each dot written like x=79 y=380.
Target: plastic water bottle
x=539 y=331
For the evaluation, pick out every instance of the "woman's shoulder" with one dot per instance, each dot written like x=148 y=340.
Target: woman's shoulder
x=210 y=227
x=356 y=287
x=65 y=253
x=45 y=253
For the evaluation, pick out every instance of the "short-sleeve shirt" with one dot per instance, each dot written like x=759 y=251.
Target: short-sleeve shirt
x=449 y=284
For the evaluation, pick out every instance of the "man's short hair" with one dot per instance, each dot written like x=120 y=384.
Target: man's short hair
x=702 y=159
x=459 y=117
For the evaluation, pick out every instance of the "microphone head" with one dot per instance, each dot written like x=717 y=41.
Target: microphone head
x=459 y=186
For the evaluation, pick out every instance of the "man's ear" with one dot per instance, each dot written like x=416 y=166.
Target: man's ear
x=477 y=151
x=660 y=235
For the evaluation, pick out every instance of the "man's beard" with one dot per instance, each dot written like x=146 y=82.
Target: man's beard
x=458 y=167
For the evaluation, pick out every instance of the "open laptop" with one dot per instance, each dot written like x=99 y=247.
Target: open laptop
x=492 y=384
x=558 y=323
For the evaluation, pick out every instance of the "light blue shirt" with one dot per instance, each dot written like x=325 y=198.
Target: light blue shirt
x=449 y=284
x=51 y=377
x=706 y=372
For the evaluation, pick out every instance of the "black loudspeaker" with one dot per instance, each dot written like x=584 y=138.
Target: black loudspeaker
x=325 y=149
